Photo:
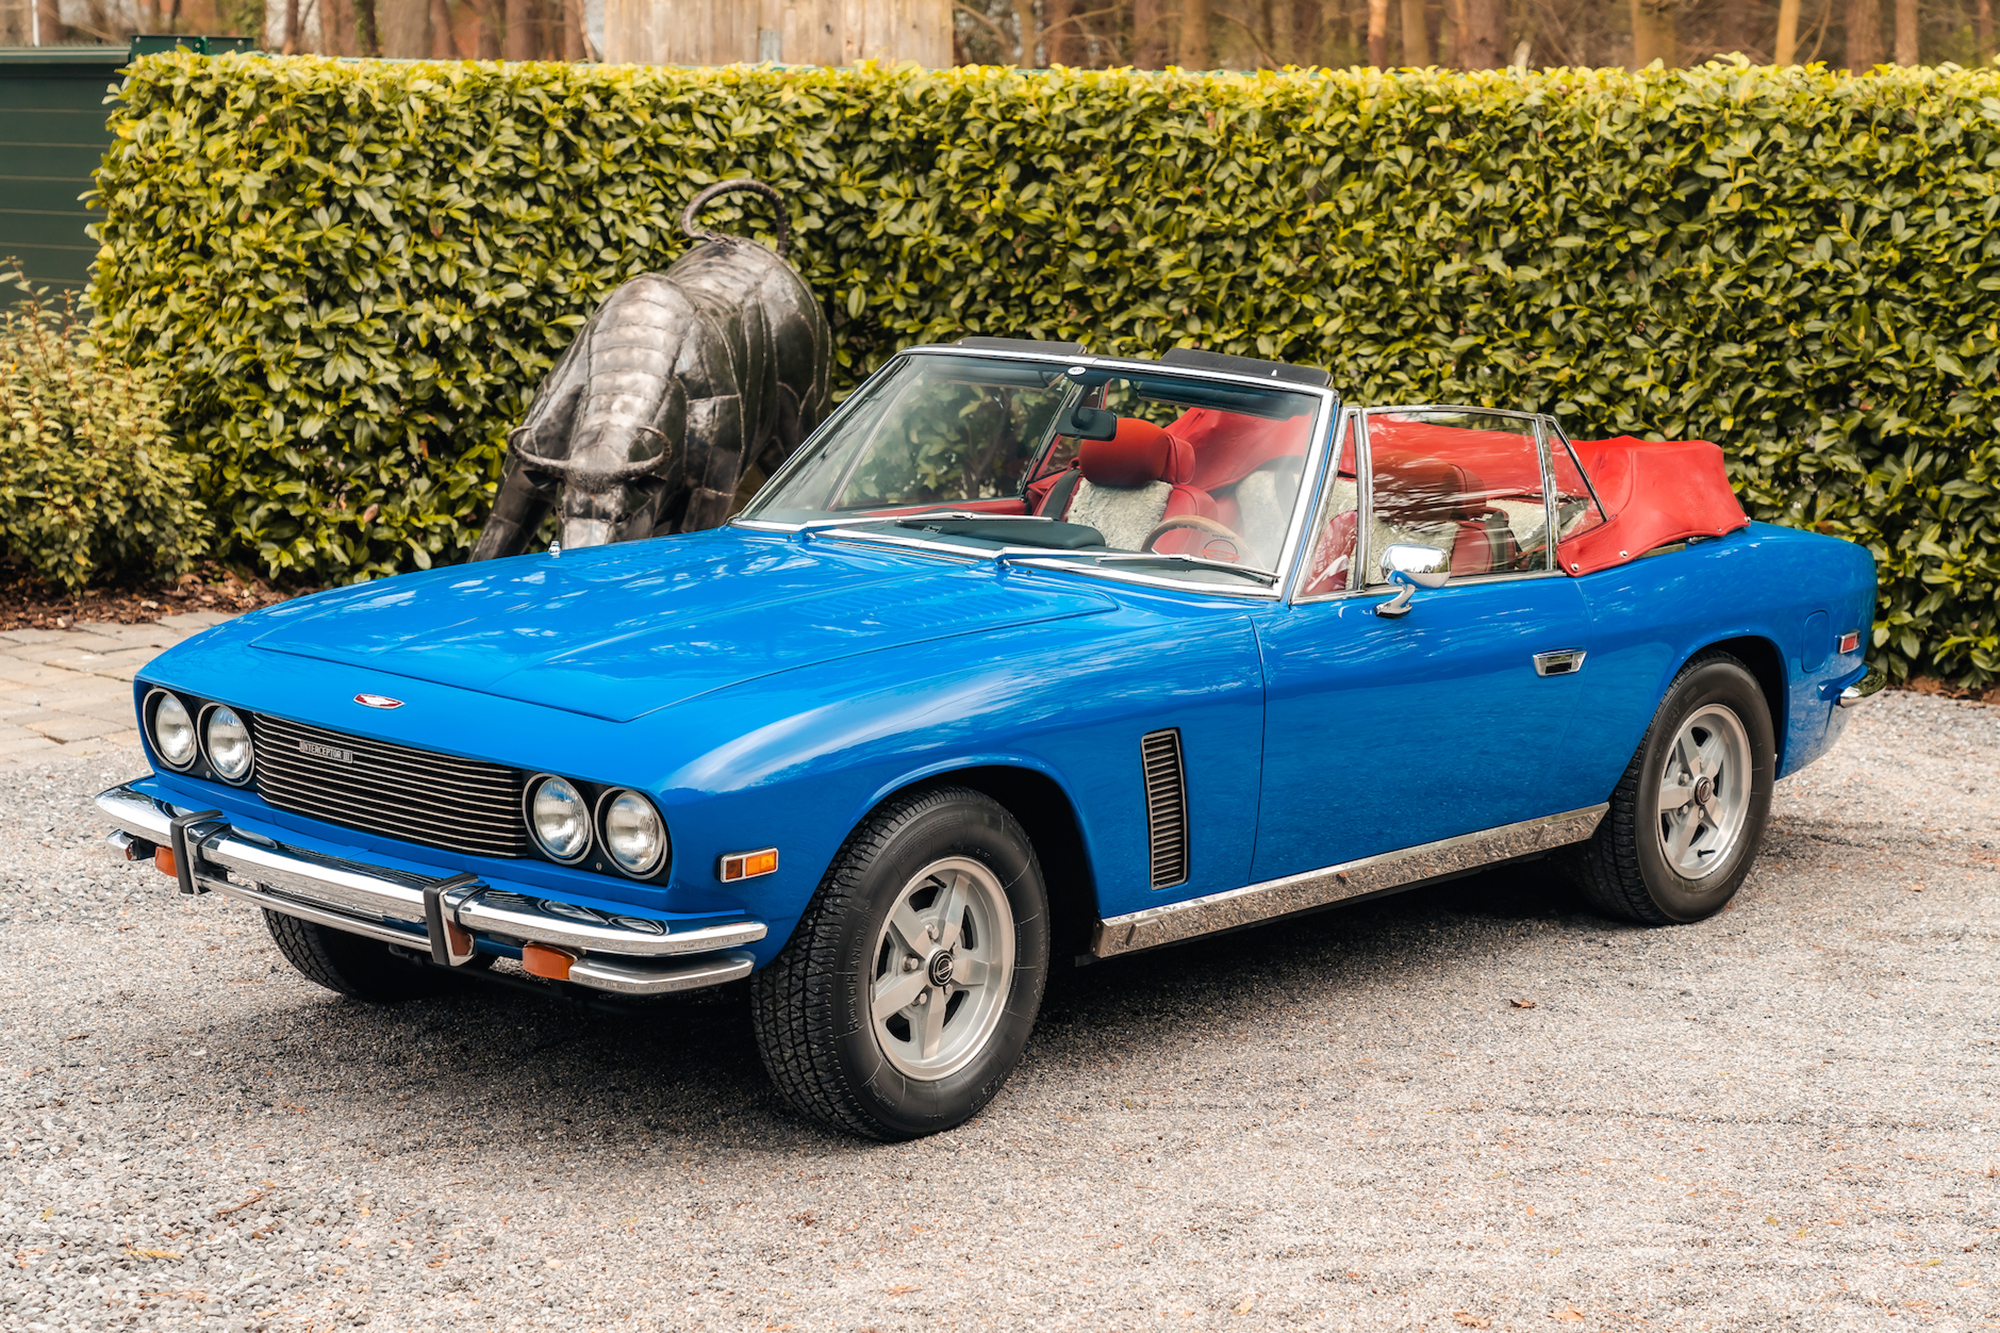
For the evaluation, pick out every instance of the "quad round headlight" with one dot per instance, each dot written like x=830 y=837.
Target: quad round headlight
x=559 y=817
x=228 y=742
x=173 y=730
x=633 y=833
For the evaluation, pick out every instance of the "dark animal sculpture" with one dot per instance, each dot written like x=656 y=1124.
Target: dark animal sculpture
x=679 y=381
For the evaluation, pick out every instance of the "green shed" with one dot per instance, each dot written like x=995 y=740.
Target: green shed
x=52 y=138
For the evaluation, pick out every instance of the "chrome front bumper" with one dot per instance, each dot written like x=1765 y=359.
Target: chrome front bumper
x=1860 y=691
x=629 y=953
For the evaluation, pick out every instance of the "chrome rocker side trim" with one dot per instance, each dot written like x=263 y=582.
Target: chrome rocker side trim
x=1155 y=926
x=621 y=952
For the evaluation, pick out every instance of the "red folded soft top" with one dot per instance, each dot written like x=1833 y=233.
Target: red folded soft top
x=1653 y=493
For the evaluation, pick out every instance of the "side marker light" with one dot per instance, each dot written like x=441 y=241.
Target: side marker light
x=747 y=865
x=539 y=960
x=1850 y=641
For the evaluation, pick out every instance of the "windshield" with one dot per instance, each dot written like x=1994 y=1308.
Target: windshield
x=1119 y=468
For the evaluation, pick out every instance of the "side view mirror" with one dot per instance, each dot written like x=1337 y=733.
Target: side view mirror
x=1410 y=567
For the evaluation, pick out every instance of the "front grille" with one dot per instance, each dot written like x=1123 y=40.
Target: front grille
x=438 y=800
x=1166 y=806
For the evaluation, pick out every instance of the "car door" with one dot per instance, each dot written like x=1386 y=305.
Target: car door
x=1387 y=731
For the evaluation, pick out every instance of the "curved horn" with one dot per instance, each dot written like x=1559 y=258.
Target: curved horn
x=741 y=186
x=593 y=479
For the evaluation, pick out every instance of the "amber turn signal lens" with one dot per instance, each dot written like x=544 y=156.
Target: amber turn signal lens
x=747 y=865
x=541 y=961
x=163 y=861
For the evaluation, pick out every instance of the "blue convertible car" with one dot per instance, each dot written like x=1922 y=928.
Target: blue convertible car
x=1026 y=654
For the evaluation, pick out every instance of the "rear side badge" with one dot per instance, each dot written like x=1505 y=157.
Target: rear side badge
x=377 y=701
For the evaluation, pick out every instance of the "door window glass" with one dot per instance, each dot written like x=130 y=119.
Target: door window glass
x=1466 y=482
x=1576 y=507
x=1330 y=567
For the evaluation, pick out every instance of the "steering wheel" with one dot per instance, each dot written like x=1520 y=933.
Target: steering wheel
x=1235 y=539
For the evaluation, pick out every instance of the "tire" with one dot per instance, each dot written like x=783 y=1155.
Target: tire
x=361 y=969
x=1659 y=862
x=833 y=1035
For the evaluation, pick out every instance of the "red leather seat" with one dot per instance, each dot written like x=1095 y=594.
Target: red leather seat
x=1124 y=468
x=1426 y=492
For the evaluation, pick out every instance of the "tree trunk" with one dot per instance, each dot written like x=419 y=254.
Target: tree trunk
x=1736 y=30
x=336 y=28
x=517 y=30
x=49 y=28
x=1024 y=21
x=405 y=27
x=1061 y=42
x=366 y=37
x=291 y=44
x=1982 y=27
x=1416 y=35
x=1484 y=42
x=1864 y=35
x=1149 y=35
x=444 y=42
x=1302 y=44
x=1195 y=52
x=1378 y=33
x=1653 y=36
x=1906 y=32
x=573 y=44
x=488 y=13
x=1786 y=50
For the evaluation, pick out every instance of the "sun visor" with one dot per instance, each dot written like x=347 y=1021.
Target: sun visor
x=1653 y=493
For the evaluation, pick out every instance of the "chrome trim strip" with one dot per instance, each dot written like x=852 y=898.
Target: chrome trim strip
x=495 y=912
x=272 y=902
x=363 y=898
x=1154 y=926
x=625 y=979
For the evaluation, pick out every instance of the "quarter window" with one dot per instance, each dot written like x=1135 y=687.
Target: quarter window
x=1466 y=482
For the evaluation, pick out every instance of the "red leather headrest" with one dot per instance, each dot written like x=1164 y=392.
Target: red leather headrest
x=1424 y=490
x=1140 y=454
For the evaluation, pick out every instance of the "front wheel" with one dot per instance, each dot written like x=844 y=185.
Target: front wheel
x=1688 y=816
x=906 y=994
x=361 y=969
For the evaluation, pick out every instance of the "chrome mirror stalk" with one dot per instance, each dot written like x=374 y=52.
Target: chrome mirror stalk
x=1410 y=567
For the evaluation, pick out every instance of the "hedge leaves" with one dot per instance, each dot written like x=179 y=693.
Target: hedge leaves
x=357 y=271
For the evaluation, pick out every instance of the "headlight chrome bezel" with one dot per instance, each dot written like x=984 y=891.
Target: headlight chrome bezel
x=529 y=793
x=601 y=822
x=207 y=719
x=150 y=712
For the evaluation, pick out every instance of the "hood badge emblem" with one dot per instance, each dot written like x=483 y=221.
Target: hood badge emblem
x=377 y=701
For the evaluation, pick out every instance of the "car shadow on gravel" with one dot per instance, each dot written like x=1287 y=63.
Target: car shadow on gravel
x=482 y=1066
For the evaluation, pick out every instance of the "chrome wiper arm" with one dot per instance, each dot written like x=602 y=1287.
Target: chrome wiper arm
x=929 y=515
x=1264 y=576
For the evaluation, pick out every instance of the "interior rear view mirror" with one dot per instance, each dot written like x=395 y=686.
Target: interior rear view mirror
x=1091 y=423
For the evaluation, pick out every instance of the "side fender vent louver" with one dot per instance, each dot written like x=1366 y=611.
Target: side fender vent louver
x=1166 y=806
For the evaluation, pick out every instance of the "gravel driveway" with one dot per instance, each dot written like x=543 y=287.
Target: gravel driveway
x=1783 y=1116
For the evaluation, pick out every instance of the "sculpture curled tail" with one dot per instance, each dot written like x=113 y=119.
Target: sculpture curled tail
x=743 y=185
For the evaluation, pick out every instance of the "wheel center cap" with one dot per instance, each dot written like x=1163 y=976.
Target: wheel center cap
x=940 y=968
x=1703 y=789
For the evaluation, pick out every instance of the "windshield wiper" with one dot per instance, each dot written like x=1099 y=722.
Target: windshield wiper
x=1263 y=576
x=933 y=515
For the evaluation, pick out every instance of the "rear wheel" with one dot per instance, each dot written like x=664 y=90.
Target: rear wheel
x=361 y=969
x=906 y=994
x=1688 y=817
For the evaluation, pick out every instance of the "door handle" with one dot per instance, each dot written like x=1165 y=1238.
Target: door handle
x=1561 y=662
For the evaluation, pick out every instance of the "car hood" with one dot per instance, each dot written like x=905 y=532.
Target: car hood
x=617 y=632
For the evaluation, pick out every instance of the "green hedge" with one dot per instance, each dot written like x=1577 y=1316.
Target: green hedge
x=358 y=271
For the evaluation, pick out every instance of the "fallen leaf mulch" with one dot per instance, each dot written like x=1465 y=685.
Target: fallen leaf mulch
x=26 y=602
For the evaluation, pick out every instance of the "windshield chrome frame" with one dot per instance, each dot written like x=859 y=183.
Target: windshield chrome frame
x=1326 y=415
